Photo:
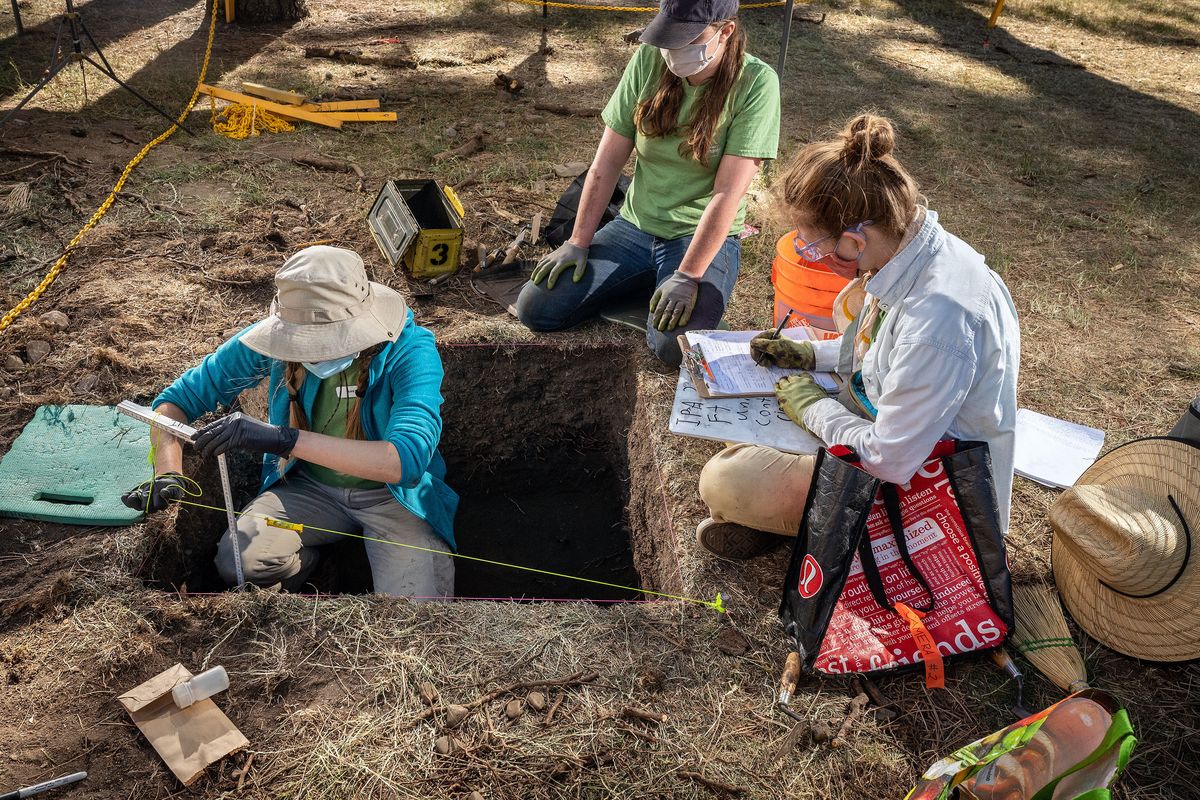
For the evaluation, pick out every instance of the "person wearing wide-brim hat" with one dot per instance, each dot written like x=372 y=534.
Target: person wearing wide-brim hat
x=1125 y=554
x=702 y=115
x=354 y=422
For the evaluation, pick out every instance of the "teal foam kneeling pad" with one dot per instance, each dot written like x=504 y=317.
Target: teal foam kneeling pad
x=71 y=464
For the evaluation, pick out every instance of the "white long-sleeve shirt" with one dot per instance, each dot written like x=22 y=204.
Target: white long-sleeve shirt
x=943 y=363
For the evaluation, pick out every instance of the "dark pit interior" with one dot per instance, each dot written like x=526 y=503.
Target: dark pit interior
x=536 y=444
x=426 y=202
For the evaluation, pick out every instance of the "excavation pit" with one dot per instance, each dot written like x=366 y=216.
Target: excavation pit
x=536 y=443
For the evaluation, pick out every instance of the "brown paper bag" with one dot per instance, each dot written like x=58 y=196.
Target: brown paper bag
x=188 y=739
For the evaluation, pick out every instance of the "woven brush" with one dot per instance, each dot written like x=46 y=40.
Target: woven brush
x=1042 y=636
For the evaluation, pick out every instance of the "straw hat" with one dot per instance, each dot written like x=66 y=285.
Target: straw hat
x=1123 y=555
x=325 y=308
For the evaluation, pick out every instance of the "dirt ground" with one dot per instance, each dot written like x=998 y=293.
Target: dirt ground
x=1062 y=145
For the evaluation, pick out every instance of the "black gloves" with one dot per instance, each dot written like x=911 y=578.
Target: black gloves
x=157 y=494
x=239 y=432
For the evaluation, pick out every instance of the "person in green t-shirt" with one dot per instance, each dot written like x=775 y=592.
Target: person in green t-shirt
x=702 y=115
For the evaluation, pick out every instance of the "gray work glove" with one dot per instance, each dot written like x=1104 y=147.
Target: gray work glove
x=553 y=265
x=672 y=304
x=782 y=352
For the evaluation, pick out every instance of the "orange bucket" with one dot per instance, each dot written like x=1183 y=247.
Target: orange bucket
x=803 y=287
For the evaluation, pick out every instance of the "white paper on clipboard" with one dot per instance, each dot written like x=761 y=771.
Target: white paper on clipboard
x=749 y=420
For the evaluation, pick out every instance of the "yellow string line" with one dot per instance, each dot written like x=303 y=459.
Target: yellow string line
x=52 y=275
x=653 y=9
x=716 y=604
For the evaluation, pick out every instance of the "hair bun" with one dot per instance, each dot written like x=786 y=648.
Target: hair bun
x=867 y=138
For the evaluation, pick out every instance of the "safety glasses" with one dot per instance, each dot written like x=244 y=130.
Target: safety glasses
x=810 y=251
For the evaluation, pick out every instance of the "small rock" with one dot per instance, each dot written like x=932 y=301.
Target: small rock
x=444 y=745
x=56 y=319
x=13 y=363
x=80 y=132
x=229 y=332
x=475 y=796
x=570 y=169
x=36 y=350
x=428 y=693
x=86 y=384
x=514 y=709
x=6 y=392
x=536 y=701
x=731 y=642
x=455 y=715
x=822 y=732
x=328 y=76
x=450 y=132
x=207 y=242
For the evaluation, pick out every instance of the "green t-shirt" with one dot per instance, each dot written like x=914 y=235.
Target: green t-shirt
x=330 y=415
x=669 y=191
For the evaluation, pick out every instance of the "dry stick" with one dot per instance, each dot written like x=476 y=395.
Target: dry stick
x=45 y=154
x=328 y=165
x=566 y=111
x=856 y=708
x=244 y=771
x=356 y=57
x=645 y=737
x=710 y=783
x=647 y=716
x=554 y=707
x=472 y=146
x=570 y=680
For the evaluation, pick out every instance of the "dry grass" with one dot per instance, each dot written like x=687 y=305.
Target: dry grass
x=1077 y=183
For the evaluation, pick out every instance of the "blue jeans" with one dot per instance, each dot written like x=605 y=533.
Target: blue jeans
x=625 y=260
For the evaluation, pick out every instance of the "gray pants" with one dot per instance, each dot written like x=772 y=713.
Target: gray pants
x=273 y=555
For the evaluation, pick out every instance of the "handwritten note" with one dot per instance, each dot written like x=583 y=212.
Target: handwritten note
x=750 y=420
x=734 y=372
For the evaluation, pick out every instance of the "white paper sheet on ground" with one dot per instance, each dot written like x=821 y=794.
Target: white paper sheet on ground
x=1054 y=452
x=750 y=420
x=734 y=372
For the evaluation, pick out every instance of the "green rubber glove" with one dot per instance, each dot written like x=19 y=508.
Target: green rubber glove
x=796 y=393
x=782 y=352
x=553 y=265
x=674 y=301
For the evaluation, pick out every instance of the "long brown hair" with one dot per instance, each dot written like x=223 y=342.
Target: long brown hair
x=294 y=374
x=838 y=183
x=658 y=115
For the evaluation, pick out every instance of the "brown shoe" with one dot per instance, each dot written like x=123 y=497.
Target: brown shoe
x=733 y=541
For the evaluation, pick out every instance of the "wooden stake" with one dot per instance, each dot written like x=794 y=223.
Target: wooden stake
x=289 y=112
x=277 y=95
x=342 y=105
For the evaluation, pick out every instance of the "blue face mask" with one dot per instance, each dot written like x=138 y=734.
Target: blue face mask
x=327 y=369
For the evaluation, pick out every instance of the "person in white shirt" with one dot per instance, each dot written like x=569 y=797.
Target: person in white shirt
x=929 y=350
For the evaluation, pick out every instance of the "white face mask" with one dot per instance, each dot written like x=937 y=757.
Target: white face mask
x=691 y=58
x=327 y=369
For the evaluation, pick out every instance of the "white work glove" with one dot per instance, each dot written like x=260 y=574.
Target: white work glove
x=553 y=265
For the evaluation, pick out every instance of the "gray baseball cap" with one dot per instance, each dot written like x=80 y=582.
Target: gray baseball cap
x=678 y=22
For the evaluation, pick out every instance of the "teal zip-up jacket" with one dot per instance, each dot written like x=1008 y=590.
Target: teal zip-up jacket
x=402 y=405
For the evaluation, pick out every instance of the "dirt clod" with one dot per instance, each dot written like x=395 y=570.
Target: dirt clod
x=13 y=363
x=455 y=715
x=446 y=745
x=56 y=319
x=536 y=701
x=732 y=642
x=428 y=693
x=514 y=709
x=475 y=796
x=36 y=350
x=85 y=384
x=822 y=731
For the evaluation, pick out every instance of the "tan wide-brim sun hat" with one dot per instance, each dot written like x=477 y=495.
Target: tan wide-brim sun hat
x=1123 y=552
x=325 y=308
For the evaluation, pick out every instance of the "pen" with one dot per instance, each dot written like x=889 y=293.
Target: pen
x=704 y=363
x=782 y=323
x=29 y=791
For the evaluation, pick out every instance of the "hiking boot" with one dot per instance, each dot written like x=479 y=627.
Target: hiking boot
x=733 y=541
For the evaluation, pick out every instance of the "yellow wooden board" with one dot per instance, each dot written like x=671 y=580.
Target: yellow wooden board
x=342 y=105
x=361 y=116
x=289 y=112
x=270 y=93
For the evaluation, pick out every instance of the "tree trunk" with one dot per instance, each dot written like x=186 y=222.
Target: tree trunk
x=269 y=10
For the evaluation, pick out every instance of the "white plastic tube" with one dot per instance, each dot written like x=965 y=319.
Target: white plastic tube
x=201 y=687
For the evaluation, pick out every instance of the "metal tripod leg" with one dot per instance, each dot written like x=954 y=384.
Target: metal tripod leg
x=136 y=94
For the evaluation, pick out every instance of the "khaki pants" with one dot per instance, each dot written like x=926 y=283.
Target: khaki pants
x=276 y=555
x=759 y=487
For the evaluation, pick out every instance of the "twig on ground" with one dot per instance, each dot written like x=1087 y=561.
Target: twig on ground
x=554 y=708
x=646 y=716
x=718 y=786
x=856 y=708
x=329 y=165
x=48 y=155
x=472 y=146
x=566 y=111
